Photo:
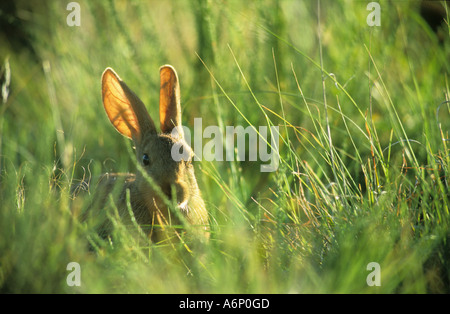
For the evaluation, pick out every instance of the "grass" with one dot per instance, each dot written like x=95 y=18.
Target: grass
x=363 y=120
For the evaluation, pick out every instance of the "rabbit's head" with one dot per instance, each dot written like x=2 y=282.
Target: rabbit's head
x=170 y=178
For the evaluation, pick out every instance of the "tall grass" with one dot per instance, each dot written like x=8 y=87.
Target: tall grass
x=363 y=123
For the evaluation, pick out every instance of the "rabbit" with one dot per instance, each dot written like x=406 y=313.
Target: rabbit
x=159 y=176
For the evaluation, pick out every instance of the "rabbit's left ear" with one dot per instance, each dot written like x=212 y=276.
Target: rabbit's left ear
x=124 y=109
x=169 y=99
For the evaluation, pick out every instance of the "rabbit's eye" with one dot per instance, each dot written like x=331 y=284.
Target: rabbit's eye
x=145 y=160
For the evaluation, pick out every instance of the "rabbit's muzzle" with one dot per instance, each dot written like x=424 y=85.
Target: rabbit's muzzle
x=165 y=192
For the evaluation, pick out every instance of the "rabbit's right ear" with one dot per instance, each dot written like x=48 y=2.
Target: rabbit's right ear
x=169 y=99
x=125 y=110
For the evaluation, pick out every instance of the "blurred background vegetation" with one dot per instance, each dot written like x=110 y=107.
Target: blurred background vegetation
x=363 y=132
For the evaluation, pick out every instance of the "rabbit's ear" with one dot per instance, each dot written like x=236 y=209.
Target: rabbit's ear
x=169 y=99
x=124 y=109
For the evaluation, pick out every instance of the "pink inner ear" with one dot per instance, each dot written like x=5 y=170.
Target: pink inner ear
x=169 y=99
x=117 y=105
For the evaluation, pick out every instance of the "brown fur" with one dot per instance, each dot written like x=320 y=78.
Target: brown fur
x=129 y=116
